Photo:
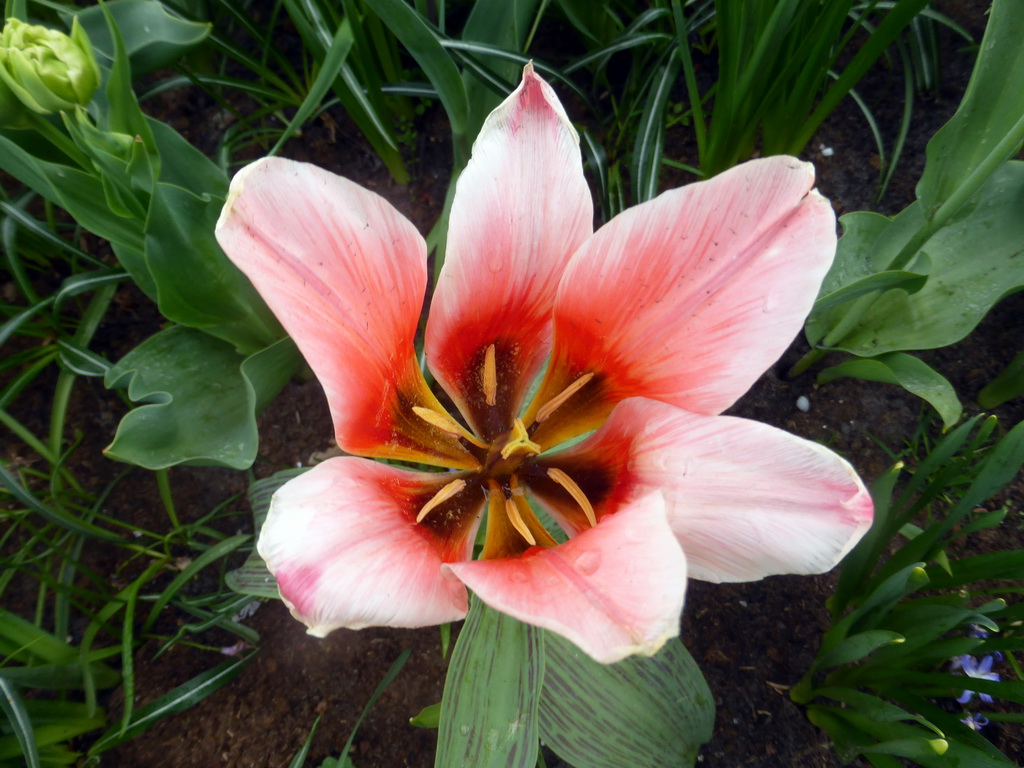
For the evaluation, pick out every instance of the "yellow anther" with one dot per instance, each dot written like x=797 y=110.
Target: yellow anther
x=519 y=441
x=452 y=489
x=446 y=423
x=575 y=491
x=512 y=510
x=558 y=401
x=490 y=377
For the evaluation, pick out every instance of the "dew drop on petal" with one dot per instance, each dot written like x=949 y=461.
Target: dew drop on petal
x=587 y=562
x=517 y=575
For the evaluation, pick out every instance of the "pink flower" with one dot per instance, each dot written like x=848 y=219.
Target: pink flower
x=652 y=327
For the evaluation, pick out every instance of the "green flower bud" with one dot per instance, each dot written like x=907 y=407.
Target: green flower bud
x=44 y=71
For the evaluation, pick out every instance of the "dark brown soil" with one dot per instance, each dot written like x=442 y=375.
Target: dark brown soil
x=751 y=640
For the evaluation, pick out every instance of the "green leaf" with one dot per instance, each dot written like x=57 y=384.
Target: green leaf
x=185 y=166
x=911 y=282
x=53 y=514
x=1006 y=386
x=654 y=712
x=10 y=702
x=504 y=25
x=123 y=114
x=196 y=284
x=388 y=679
x=874 y=707
x=253 y=577
x=300 y=757
x=489 y=709
x=78 y=193
x=330 y=66
x=152 y=37
x=62 y=677
x=991 y=108
x=178 y=700
x=201 y=399
x=428 y=717
x=856 y=647
x=959 y=290
x=425 y=48
x=650 y=136
x=907 y=371
x=211 y=555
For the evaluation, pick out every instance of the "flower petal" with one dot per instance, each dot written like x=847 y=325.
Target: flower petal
x=521 y=208
x=614 y=590
x=746 y=500
x=343 y=544
x=344 y=272
x=688 y=298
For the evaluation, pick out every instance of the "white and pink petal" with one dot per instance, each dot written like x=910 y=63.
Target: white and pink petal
x=745 y=500
x=690 y=297
x=614 y=590
x=343 y=544
x=521 y=208
x=344 y=273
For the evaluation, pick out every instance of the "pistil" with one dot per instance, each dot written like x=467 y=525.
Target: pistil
x=519 y=442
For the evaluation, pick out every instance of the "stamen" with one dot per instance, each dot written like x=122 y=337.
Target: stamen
x=519 y=441
x=512 y=510
x=558 y=401
x=490 y=377
x=575 y=491
x=446 y=423
x=452 y=489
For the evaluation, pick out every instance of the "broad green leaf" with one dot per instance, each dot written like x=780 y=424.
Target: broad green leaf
x=904 y=370
x=178 y=700
x=991 y=108
x=869 y=243
x=253 y=577
x=200 y=399
x=152 y=37
x=911 y=282
x=185 y=166
x=78 y=193
x=489 y=709
x=974 y=262
x=196 y=284
x=122 y=113
x=654 y=712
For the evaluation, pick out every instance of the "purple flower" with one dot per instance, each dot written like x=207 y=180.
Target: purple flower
x=975 y=721
x=979 y=670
